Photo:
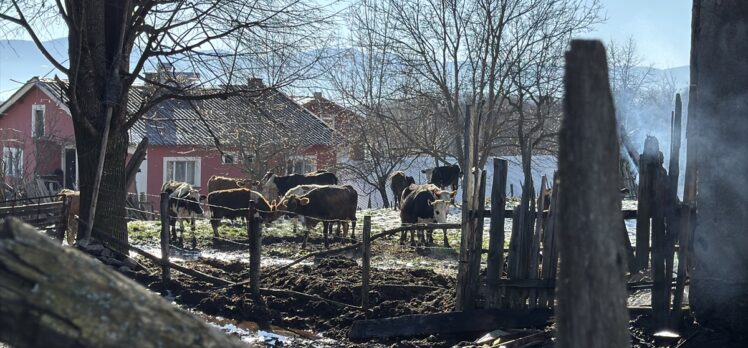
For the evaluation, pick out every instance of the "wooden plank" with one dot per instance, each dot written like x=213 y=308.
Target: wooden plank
x=448 y=323
x=165 y=276
x=591 y=290
x=76 y=288
x=660 y=293
x=365 y=262
x=254 y=228
x=20 y=210
x=470 y=250
x=495 y=259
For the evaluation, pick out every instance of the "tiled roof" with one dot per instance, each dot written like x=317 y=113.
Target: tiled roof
x=270 y=115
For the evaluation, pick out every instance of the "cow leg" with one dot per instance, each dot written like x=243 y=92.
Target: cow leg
x=337 y=231
x=325 y=227
x=413 y=237
x=430 y=236
x=446 y=241
x=306 y=237
x=353 y=231
x=214 y=223
x=403 y=237
x=192 y=227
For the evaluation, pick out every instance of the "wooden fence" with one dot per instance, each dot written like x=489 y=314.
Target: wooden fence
x=46 y=213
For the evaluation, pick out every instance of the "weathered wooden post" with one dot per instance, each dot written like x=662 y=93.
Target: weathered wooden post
x=62 y=227
x=591 y=304
x=365 y=262
x=495 y=261
x=719 y=280
x=649 y=157
x=660 y=294
x=255 y=249
x=165 y=276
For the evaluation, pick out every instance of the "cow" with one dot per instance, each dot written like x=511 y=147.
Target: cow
x=424 y=204
x=74 y=208
x=444 y=176
x=321 y=204
x=234 y=203
x=184 y=203
x=217 y=183
x=302 y=190
x=398 y=182
x=277 y=186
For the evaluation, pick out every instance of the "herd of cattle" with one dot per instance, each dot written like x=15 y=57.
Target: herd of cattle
x=309 y=199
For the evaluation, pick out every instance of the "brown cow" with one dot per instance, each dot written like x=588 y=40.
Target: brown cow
x=234 y=203
x=398 y=183
x=218 y=183
x=74 y=199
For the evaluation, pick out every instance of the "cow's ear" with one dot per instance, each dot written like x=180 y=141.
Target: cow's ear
x=304 y=201
x=203 y=197
x=453 y=194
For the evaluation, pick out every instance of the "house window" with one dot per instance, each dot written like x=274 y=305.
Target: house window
x=37 y=120
x=230 y=158
x=12 y=161
x=184 y=169
x=301 y=164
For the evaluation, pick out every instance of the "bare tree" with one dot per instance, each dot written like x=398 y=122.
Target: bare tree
x=216 y=39
x=369 y=81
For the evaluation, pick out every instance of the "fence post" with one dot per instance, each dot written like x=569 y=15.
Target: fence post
x=365 y=262
x=63 y=226
x=255 y=246
x=165 y=237
x=495 y=261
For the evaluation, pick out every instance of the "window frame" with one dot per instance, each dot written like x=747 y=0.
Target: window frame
x=198 y=167
x=311 y=159
x=15 y=151
x=34 y=109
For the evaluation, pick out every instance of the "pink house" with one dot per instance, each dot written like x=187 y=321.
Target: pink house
x=259 y=132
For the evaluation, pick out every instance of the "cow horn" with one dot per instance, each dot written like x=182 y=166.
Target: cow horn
x=304 y=201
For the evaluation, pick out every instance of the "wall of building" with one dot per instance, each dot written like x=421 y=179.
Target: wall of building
x=40 y=156
x=210 y=164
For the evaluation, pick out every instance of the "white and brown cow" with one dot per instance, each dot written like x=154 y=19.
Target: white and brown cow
x=328 y=202
x=424 y=204
x=184 y=203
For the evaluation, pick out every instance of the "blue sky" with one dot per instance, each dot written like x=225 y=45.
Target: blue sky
x=661 y=29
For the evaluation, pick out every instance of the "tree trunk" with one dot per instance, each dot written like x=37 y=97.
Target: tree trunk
x=719 y=281
x=96 y=51
x=383 y=193
x=591 y=291
x=55 y=297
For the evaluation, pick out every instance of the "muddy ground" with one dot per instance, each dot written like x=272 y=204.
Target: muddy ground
x=336 y=278
x=405 y=280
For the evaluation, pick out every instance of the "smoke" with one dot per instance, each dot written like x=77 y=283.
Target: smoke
x=647 y=111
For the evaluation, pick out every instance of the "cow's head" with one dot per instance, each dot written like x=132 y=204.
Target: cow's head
x=428 y=173
x=187 y=200
x=293 y=202
x=440 y=203
x=409 y=181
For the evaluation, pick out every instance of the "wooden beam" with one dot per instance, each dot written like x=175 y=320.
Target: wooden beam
x=133 y=165
x=591 y=292
x=447 y=323
x=50 y=296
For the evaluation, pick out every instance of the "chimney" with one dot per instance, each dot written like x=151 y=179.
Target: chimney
x=317 y=95
x=255 y=83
